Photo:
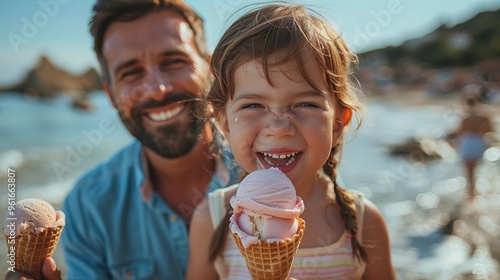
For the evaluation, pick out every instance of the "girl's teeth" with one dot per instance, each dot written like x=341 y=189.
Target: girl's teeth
x=274 y=156
x=279 y=156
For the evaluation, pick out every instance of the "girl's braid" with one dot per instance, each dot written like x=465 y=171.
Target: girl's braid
x=348 y=210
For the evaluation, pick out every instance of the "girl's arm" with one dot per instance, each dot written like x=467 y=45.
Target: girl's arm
x=377 y=245
x=200 y=234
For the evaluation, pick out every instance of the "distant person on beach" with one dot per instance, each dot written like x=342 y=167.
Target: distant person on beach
x=129 y=217
x=471 y=141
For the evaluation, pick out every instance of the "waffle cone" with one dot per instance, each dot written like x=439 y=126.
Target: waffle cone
x=33 y=248
x=271 y=260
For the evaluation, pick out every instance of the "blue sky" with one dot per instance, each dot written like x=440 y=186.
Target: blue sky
x=59 y=28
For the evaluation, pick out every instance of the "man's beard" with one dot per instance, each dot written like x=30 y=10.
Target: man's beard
x=169 y=141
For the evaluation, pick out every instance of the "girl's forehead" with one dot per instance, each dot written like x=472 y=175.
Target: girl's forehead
x=292 y=69
x=250 y=80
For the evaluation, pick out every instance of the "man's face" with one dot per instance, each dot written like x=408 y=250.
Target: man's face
x=153 y=63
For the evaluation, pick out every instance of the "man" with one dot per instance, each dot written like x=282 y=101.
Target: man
x=129 y=217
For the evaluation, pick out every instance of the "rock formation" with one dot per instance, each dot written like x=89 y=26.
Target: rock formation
x=46 y=80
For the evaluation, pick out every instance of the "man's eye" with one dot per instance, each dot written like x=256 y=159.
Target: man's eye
x=130 y=73
x=173 y=64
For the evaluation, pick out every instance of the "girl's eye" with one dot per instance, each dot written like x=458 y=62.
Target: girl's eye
x=305 y=105
x=251 y=106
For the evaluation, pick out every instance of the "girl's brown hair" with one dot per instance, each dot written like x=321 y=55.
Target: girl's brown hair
x=296 y=34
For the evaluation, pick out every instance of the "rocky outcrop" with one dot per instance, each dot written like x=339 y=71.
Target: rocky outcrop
x=46 y=80
x=463 y=45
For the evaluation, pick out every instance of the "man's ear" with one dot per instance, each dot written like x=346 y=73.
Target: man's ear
x=341 y=121
x=107 y=89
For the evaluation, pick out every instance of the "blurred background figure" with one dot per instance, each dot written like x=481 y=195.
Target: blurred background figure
x=471 y=139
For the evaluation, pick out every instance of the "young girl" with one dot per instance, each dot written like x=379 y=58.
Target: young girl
x=283 y=99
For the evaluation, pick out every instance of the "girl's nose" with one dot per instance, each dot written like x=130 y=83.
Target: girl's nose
x=280 y=124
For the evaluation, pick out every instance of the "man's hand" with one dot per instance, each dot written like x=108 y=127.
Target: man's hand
x=49 y=271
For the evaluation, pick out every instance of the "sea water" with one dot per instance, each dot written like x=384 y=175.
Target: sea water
x=49 y=144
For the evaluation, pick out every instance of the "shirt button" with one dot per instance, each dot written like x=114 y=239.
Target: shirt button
x=129 y=275
x=173 y=218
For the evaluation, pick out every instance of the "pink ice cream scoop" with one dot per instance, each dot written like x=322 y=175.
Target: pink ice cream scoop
x=265 y=207
x=34 y=212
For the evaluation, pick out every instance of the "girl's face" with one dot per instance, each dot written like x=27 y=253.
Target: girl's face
x=288 y=124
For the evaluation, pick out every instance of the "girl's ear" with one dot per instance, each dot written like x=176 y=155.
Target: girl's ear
x=341 y=121
x=346 y=114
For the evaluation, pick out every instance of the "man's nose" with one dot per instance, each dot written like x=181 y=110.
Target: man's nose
x=156 y=85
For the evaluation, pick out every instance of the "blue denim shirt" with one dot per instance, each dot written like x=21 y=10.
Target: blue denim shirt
x=113 y=232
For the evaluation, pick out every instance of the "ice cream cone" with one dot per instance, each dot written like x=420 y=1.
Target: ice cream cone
x=271 y=260
x=33 y=248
